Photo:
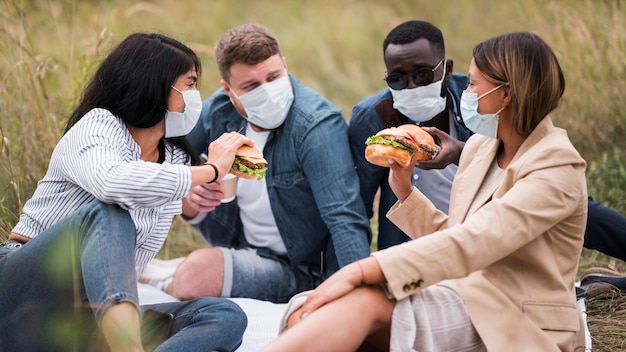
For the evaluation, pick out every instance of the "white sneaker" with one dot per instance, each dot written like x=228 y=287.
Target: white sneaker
x=159 y=273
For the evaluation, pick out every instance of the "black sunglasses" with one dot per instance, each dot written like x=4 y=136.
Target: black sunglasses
x=421 y=77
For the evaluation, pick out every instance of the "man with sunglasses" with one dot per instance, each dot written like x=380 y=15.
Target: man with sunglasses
x=423 y=90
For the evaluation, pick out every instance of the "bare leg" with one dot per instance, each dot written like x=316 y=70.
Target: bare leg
x=341 y=325
x=121 y=327
x=200 y=275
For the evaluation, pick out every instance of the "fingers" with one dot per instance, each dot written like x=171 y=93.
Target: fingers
x=339 y=284
x=449 y=152
x=205 y=197
x=437 y=134
x=221 y=152
x=311 y=304
x=294 y=318
x=400 y=179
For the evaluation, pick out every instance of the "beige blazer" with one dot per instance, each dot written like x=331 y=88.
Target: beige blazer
x=515 y=258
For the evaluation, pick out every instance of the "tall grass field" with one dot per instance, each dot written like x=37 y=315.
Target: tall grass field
x=49 y=49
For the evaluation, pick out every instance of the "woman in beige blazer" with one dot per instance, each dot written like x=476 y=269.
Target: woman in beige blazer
x=498 y=272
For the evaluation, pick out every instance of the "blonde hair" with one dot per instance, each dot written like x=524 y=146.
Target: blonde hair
x=246 y=43
x=532 y=71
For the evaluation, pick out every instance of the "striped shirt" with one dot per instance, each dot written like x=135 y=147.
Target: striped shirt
x=99 y=159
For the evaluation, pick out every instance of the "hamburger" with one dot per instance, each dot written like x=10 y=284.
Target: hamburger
x=249 y=163
x=396 y=144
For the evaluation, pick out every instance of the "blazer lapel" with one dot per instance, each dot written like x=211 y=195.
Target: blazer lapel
x=479 y=166
x=543 y=129
x=466 y=179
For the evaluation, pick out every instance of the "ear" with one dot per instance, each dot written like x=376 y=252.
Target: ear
x=285 y=63
x=506 y=89
x=225 y=86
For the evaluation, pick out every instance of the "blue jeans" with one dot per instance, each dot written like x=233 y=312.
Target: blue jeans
x=274 y=279
x=606 y=230
x=85 y=262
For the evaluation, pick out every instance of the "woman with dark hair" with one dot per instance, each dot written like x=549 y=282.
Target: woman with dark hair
x=499 y=271
x=114 y=184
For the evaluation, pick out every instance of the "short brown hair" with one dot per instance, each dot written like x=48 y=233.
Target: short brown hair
x=530 y=67
x=246 y=43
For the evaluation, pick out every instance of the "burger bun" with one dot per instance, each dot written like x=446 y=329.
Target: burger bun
x=383 y=155
x=250 y=151
x=427 y=148
x=413 y=136
x=251 y=155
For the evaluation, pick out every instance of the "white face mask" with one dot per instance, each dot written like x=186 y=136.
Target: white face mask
x=178 y=124
x=268 y=104
x=420 y=104
x=485 y=124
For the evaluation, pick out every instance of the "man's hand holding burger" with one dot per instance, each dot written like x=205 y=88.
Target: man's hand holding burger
x=449 y=153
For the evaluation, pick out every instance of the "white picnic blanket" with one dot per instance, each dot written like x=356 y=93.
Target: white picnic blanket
x=583 y=312
x=264 y=317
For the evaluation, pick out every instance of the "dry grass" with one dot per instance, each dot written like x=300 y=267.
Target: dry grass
x=48 y=48
x=606 y=318
x=186 y=240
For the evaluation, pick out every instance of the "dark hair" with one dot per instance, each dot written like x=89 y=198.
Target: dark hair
x=134 y=81
x=246 y=43
x=410 y=31
x=532 y=71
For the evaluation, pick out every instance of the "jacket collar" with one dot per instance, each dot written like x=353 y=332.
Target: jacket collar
x=486 y=155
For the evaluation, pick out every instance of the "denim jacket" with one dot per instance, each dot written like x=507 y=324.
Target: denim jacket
x=312 y=185
x=373 y=114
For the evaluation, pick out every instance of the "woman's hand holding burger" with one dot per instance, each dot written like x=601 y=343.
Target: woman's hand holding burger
x=204 y=196
x=400 y=148
x=400 y=179
x=231 y=153
x=222 y=151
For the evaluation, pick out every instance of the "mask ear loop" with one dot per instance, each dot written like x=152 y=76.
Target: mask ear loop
x=507 y=99
x=443 y=75
x=491 y=90
x=176 y=89
x=231 y=90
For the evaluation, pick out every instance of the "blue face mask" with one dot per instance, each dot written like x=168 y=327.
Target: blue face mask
x=485 y=124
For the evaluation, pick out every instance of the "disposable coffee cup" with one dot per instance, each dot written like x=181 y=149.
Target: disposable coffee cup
x=228 y=186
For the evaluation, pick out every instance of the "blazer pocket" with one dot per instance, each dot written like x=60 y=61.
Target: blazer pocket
x=552 y=316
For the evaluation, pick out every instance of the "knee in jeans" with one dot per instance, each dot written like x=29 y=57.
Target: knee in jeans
x=229 y=313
